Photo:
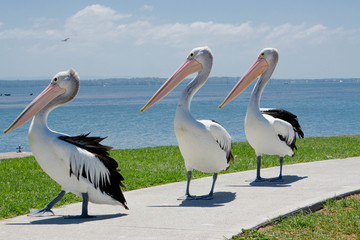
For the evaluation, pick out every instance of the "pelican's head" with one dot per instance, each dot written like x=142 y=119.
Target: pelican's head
x=271 y=55
x=197 y=59
x=267 y=57
x=62 y=89
x=70 y=82
x=203 y=55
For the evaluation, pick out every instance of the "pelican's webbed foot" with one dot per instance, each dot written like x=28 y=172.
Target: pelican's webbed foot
x=276 y=179
x=193 y=197
x=46 y=211
x=41 y=212
x=261 y=179
x=80 y=216
x=205 y=197
x=187 y=197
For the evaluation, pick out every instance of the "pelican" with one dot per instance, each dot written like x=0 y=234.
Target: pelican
x=269 y=131
x=205 y=145
x=80 y=164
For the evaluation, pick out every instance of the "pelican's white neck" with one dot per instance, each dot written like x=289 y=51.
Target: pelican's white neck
x=256 y=93
x=259 y=88
x=40 y=121
x=191 y=89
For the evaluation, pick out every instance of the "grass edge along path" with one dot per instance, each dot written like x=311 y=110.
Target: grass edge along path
x=335 y=218
x=24 y=185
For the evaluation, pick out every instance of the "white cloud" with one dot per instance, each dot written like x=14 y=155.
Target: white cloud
x=289 y=34
x=98 y=12
x=316 y=29
x=197 y=32
x=96 y=23
x=43 y=22
x=212 y=33
x=26 y=34
x=147 y=8
x=102 y=34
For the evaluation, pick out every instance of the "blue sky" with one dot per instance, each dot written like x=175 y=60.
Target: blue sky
x=315 y=39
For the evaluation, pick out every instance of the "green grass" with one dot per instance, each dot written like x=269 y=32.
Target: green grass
x=339 y=219
x=23 y=185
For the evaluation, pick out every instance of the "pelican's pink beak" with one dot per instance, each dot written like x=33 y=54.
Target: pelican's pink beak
x=190 y=66
x=50 y=93
x=258 y=68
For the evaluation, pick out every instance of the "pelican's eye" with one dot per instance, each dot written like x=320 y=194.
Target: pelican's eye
x=191 y=55
x=55 y=80
x=262 y=54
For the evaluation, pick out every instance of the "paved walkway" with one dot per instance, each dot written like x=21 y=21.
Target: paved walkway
x=239 y=203
x=15 y=155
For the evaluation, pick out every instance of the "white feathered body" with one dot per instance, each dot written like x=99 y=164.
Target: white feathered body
x=55 y=157
x=204 y=144
x=262 y=132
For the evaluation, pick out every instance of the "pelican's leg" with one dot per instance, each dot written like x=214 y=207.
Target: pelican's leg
x=258 y=163
x=213 y=184
x=84 y=212
x=281 y=164
x=187 y=193
x=189 y=173
x=46 y=211
x=279 y=178
x=211 y=194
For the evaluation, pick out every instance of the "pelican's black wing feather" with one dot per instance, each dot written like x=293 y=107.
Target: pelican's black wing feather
x=286 y=116
x=229 y=155
x=92 y=144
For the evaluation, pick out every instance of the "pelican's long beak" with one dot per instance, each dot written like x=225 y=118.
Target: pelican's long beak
x=190 y=66
x=50 y=93
x=258 y=68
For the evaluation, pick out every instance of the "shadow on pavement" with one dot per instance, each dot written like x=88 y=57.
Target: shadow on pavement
x=63 y=220
x=220 y=198
x=286 y=181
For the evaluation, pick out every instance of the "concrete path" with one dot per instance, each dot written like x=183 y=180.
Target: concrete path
x=155 y=213
x=15 y=155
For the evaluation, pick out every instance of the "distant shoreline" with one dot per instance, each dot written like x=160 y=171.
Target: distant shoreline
x=146 y=81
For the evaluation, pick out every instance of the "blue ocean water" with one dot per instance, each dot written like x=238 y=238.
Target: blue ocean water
x=327 y=107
